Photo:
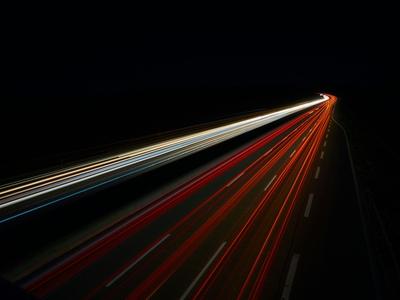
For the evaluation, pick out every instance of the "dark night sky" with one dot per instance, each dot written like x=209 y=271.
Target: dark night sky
x=70 y=89
x=97 y=67
x=73 y=87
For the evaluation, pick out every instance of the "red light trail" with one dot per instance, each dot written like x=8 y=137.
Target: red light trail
x=216 y=236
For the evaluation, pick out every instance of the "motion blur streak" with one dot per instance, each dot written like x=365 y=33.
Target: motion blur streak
x=19 y=198
x=148 y=214
x=217 y=215
x=257 y=213
x=225 y=228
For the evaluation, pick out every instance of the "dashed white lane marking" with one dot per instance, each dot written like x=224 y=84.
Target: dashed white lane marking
x=322 y=155
x=136 y=261
x=192 y=285
x=292 y=153
x=269 y=183
x=325 y=144
x=290 y=276
x=308 y=207
x=326 y=136
x=303 y=139
x=317 y=172
x=234 y=179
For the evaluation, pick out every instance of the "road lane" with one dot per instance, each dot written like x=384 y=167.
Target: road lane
x=222 y=198
x=26 y=196
x=250 y=203
x=334 y=258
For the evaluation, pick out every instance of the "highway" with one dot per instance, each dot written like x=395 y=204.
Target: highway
x=270 y=221
x=25 y=196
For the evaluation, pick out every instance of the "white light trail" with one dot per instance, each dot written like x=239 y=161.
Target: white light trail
x=138 y=160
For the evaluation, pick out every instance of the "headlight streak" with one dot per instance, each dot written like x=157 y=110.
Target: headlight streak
x=264 y=215
x=256 y=213
x=78 y=179
x=136 y=222
x=158 y=278
x=295 y=189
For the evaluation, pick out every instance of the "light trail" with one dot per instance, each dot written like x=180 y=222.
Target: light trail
x=252 y=202
x=76 y=263
x=256 y=213
x=157 y=279
x=34 y=193
x=62 y=272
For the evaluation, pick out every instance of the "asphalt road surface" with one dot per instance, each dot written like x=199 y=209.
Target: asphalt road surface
x=277 y=220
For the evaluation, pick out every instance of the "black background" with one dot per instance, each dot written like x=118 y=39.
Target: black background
x=70 y=88
x=76 y=81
